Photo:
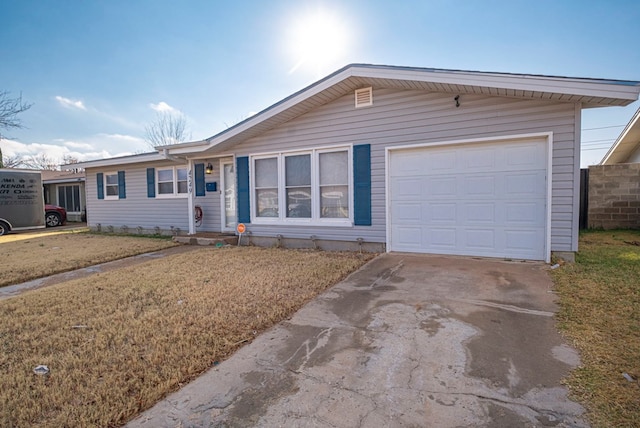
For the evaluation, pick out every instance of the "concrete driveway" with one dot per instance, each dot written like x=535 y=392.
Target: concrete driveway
x=409 y=340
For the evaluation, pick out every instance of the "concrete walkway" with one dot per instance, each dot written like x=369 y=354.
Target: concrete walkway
x=409 y=340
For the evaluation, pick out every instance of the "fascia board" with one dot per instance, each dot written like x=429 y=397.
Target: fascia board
x=559 y=85
x=147 y=157
x=630 y=133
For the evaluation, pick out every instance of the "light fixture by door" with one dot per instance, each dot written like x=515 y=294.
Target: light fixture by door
x=209 y=168
x=457 y=99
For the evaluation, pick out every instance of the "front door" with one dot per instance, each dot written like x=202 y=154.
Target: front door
x=228 y=176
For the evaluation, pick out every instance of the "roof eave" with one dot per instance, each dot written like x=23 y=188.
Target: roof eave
x=626 y=143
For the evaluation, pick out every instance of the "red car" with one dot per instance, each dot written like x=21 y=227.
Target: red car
x=54 y=215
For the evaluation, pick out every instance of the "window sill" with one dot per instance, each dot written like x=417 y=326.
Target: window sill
x=172 y=196
x=303 y=222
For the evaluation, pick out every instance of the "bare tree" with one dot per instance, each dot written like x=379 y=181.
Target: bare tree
x=11 y=161
x=10 y=108
x=167 y=129
x=42 y=162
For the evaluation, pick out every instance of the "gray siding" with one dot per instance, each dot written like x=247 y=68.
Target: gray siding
x=138 y=210
x=416 y=117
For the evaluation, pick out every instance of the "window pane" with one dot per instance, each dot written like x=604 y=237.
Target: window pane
x=69 y=199
x=112 y=190
x=165 y=188
x=267 y=172
x=76 y=198
x=334 y=201
x=267 y=205
x=334 y=168
x=182 y=174
x=61 y=197
x=299 y=202
x=298 y=170
x=182 y=187
x=165 y=175
x=112 y=179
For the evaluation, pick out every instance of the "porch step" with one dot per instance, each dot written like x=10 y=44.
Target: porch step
x=217 y=240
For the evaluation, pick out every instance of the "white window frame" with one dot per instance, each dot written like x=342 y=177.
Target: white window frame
x=315 y=219
x=106 y=193
x=174 y=177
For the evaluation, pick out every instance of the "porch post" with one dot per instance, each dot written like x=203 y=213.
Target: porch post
x=190 y=199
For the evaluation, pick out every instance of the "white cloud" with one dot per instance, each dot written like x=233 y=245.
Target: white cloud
x=69 y=103
x=163 y=107
x=75 y=145
x=98 y=146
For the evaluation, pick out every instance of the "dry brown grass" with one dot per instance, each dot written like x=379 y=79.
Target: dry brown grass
x=600 y=313
x=118 y=342
x=24 y=259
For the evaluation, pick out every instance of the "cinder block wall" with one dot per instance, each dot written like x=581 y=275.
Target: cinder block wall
x=614 y=196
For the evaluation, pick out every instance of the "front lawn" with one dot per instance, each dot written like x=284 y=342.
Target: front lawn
x=38 y=254
x=600 y=314
x=115 y=343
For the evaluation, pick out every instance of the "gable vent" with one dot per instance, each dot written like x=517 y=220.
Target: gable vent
x=364 y=97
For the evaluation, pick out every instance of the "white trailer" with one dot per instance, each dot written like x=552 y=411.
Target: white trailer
x=21 y=200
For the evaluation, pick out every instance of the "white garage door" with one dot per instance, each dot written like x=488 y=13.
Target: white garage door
x=482 y=199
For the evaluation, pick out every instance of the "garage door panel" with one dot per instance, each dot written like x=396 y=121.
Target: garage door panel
x=522 y=156
x=521 y=240
x=477 y=185
x=480 y=159
x=486 y=199
x=480 y=212
x=441 y=161
x=484 y=239
x=525 y=213
x=441 y=186
x=407 y=212
x=407 y=188
x=442 y=238
x=408 y=238
x=442 y=212
x=525 y=183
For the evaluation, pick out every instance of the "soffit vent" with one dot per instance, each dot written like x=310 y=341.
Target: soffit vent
x=364 y=97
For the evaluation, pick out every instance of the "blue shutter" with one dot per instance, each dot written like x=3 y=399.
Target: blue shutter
x=151 y=182
x=122 y=192
x=100 y=182
x=199 y=178
x=362 y=184
x=242 y=172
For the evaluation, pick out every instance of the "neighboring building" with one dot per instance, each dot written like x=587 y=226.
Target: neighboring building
x=614 y=184
x=66 y=189
x=390 y=158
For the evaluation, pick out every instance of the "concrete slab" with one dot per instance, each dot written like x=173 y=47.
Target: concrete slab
x=409 y=340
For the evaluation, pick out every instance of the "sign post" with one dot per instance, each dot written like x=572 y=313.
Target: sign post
x=240 y=228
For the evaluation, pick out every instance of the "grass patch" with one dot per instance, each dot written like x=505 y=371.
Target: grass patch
x=38 y=256
x=117 y=342
x=600 y=314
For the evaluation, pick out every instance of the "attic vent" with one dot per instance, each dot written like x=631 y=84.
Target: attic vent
x=364 y=97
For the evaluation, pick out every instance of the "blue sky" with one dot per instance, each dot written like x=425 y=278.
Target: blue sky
x=98 y=71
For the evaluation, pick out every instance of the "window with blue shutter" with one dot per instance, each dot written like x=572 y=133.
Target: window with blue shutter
x=151 y=182
x=242 y=173
x=122 y=193
x=199 y=179
x=100 y=183
x=362 y=184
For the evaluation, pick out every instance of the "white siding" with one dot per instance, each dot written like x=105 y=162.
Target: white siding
x=417 y=117
x=139 y=210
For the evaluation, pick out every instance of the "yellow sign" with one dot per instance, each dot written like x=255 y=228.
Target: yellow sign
x=241 y=228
